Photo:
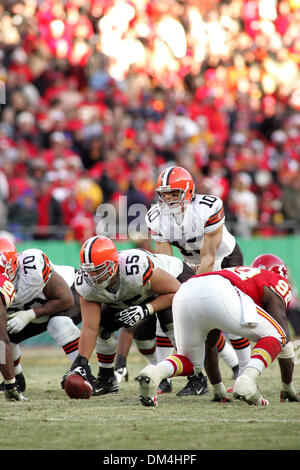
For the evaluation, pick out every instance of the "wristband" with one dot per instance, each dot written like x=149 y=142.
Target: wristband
x=150 y=309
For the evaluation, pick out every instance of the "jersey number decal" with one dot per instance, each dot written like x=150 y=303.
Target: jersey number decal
x=208 y=200
x=133 y=268
x=27 y=261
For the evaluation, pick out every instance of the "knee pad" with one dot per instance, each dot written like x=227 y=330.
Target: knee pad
x=107 y=346
x=62 y=330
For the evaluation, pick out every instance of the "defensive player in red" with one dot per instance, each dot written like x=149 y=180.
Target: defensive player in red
x=8 y=271
x=250 y=301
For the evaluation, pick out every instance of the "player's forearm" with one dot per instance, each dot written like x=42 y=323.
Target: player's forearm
x=87 y=342
x=54 y=306
x=162 y=302
x=206 y=265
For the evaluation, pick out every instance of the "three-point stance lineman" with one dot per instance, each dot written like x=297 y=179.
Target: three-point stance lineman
x=248 y=301
x=117 y=289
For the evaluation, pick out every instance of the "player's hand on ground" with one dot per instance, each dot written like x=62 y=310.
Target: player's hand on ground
x=81 y=367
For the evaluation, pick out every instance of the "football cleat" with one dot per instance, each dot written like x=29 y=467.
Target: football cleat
x=284 y=395
x=105 y=386
x=165 y=386
x=149 y=378
x=196 y=385
x=20 y=379
x=246 y=389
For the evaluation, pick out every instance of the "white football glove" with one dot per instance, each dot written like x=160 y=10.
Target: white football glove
x=18 y=320
x=132 y=315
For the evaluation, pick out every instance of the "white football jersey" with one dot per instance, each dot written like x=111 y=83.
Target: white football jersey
x=203 y=215
x=34 y=272
x=133 y=285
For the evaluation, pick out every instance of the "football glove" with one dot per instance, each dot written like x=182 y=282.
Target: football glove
x=12 y=393
x=18 y=320
x=81 y=367
x=132 y=315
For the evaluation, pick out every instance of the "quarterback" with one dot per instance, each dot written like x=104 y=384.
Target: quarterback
x=195 y=225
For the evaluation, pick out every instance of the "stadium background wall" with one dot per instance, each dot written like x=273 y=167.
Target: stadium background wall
x=67 y=253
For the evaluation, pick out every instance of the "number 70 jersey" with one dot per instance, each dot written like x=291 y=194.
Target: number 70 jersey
x=34 y=272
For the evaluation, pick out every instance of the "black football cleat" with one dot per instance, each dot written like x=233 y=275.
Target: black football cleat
x=105 y=386
x=196 y=385
x=165 y=386
x=21 y=382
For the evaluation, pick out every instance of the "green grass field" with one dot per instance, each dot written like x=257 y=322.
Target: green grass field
x=50 y=420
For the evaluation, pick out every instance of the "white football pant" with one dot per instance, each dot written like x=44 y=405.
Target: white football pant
x=211 y=302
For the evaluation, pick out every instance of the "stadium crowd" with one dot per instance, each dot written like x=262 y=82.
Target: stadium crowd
x=97 y=96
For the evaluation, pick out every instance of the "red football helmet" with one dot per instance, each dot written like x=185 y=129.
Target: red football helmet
x=8 y=259
x=271 y=263
x=99 y=261
x=175 y=178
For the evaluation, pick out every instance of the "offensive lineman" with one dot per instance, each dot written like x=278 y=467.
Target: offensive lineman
x=250 y=301
x=43 y=301
x=195 y=224
x=116 y=289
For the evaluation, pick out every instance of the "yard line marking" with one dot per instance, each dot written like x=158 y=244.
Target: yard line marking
x=196 y=420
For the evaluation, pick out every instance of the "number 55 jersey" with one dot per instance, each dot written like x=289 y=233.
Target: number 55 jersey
x=133 y=283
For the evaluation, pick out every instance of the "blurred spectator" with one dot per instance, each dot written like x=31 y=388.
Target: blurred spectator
x=243 y=204
x=22 y=215
x=48 y=213
x=291 y=201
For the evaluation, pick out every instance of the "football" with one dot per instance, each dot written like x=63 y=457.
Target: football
x=77 y=387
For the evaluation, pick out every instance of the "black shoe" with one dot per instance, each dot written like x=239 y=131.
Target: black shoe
x=235 y=371
x=20 y=379
x=104 y=386
x=197 y=385
x=165 y=386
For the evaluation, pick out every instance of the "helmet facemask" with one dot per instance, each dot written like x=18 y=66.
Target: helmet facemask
x=175 y=206
x=99 y=276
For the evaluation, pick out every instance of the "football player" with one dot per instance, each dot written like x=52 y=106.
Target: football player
x=195 y=224
x=8 y=270
x=117 y=289
x=248 y=301
x=43 y=301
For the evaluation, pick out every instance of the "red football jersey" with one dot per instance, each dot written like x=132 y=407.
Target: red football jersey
x=252 y=281
x=7 y=291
